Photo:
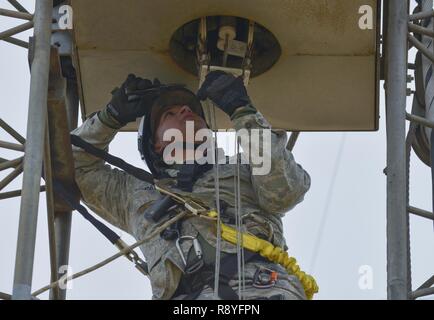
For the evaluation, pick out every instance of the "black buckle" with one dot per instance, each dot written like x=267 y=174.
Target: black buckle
x=160 y=208
x=194 y=266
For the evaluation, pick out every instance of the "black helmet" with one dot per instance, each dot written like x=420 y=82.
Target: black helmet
x=169 y=97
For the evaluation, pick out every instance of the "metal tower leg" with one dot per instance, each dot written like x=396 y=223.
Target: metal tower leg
x=34 y=151
x=397 y=220
x=63 y=219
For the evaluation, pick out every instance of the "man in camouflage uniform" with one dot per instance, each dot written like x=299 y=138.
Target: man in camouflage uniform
x=122 y=199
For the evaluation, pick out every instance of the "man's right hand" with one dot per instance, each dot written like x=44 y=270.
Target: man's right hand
x=124 y=110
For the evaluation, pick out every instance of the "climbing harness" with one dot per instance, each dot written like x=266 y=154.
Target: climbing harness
x=191 y=285
x=251 y=243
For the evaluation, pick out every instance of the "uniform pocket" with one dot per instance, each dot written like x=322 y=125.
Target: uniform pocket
x=166 y=272
x=161 y=271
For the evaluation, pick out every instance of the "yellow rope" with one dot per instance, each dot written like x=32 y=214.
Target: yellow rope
x=272 y=253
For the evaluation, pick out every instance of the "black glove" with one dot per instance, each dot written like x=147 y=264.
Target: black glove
x=226 y=91
x=124 y=109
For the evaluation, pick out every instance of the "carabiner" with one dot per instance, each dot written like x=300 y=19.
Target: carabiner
x=196 y=246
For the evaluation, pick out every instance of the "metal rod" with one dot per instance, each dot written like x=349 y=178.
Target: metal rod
x=225 y=52
x=10 y=164
x=419 y=29
x=421 y=213
x=427 y=283
x=34 y=147
x=202 y=31
x=15 y=30
x=12 y=132
x=11 y=176
x=15 y=193
x=398 y=282
x=247 y=61
x=422 y=293
x=17 y=6
x=11 y=146
x=250 y=35
x=17 y=42
x=292 y=140
x=48 y=175
x=15 y=14
x=421 y=15
x=420 y=46
x=420 y=120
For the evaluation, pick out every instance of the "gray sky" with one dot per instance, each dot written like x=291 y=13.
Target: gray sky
x=353 y=231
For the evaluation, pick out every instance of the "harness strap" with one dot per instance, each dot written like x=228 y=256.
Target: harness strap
x=192 y=285
x=189 y=173
x=102 y=228
x=228 y=268
x=113 y=160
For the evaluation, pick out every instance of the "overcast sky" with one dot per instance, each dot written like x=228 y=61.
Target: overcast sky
x=339 y=227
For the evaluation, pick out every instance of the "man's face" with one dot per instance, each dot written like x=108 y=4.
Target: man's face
x=176 y=117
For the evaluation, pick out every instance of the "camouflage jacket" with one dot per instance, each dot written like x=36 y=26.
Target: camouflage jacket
x=121 y=199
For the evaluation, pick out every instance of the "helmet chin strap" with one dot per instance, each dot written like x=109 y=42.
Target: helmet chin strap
x=187 y=172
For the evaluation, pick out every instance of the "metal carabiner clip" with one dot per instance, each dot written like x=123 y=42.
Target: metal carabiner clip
x=196 y=246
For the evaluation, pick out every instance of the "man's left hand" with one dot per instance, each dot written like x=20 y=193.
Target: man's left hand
x=225 y=90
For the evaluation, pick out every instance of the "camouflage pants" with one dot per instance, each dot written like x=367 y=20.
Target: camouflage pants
x=286 y=287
